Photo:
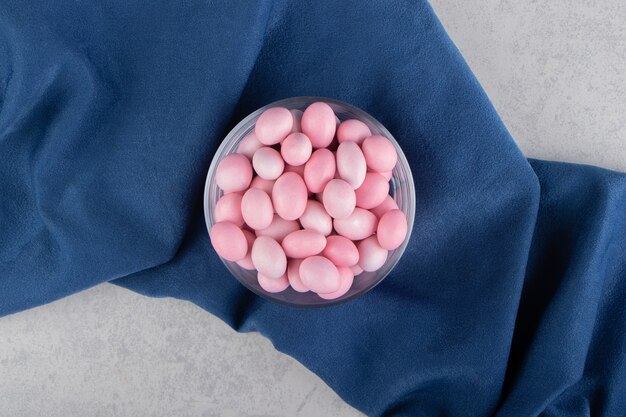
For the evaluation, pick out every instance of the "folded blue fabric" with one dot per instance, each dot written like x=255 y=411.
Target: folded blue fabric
x=511 y=297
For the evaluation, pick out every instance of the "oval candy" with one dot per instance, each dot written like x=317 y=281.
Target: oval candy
x=341 y=251
x=319 y=124
x=303 y=243
x=233 y=173
x=289 y=196
x=228 y=209
x=372 y=192
x=380 y=154
x=228 y=241
x=268 y=257
x=279 y=228
x=353 y=130
x=268 y=163
x=351 y=164
x=319 y=169
x=359 y=225
x=316 y=218
x=392 y=229
x=273 y=285
x=273 y=125
x=257 y=209
x=339 y=199
x=296 y=149
x=371 y=255
x=319 y=275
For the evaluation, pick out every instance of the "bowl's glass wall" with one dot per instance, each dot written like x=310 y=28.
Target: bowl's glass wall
x=402 y=190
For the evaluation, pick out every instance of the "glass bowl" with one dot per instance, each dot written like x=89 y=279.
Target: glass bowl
x=401 y=188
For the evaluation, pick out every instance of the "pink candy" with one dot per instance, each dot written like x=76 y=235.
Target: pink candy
x=379 y=153
x=303 y=243
x=358 y=225
x=388 y=204
x=296 y=149
x=315 y=217
x=289 y=196
x=268 y=257
x=279 y=228
x=257 y=209
x=351 y=164
x=307 y=202
x=319 y=124
x=319 y=170
x=233 y=173
x=353 y=131
x=273 y=284
x=371 y=255
x=339 y=199
x=341 y=251
x=228 y=209
x=392 y=229
x=346 y=277
x=229 y=241
x=273 y=125
x=249 y=145
x=320 y=275
x=267 y=163
x=373 y=191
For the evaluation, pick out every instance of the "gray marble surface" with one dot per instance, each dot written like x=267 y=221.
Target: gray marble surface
x=556 y=72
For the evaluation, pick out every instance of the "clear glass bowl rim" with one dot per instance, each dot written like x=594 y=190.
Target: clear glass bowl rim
x=359 y=114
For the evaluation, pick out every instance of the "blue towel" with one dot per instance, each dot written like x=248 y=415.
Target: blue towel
x=511 y=297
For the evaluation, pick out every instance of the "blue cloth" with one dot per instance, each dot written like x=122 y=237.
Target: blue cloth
x=511 y=297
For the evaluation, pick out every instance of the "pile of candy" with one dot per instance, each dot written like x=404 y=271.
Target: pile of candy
x=306 y=202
